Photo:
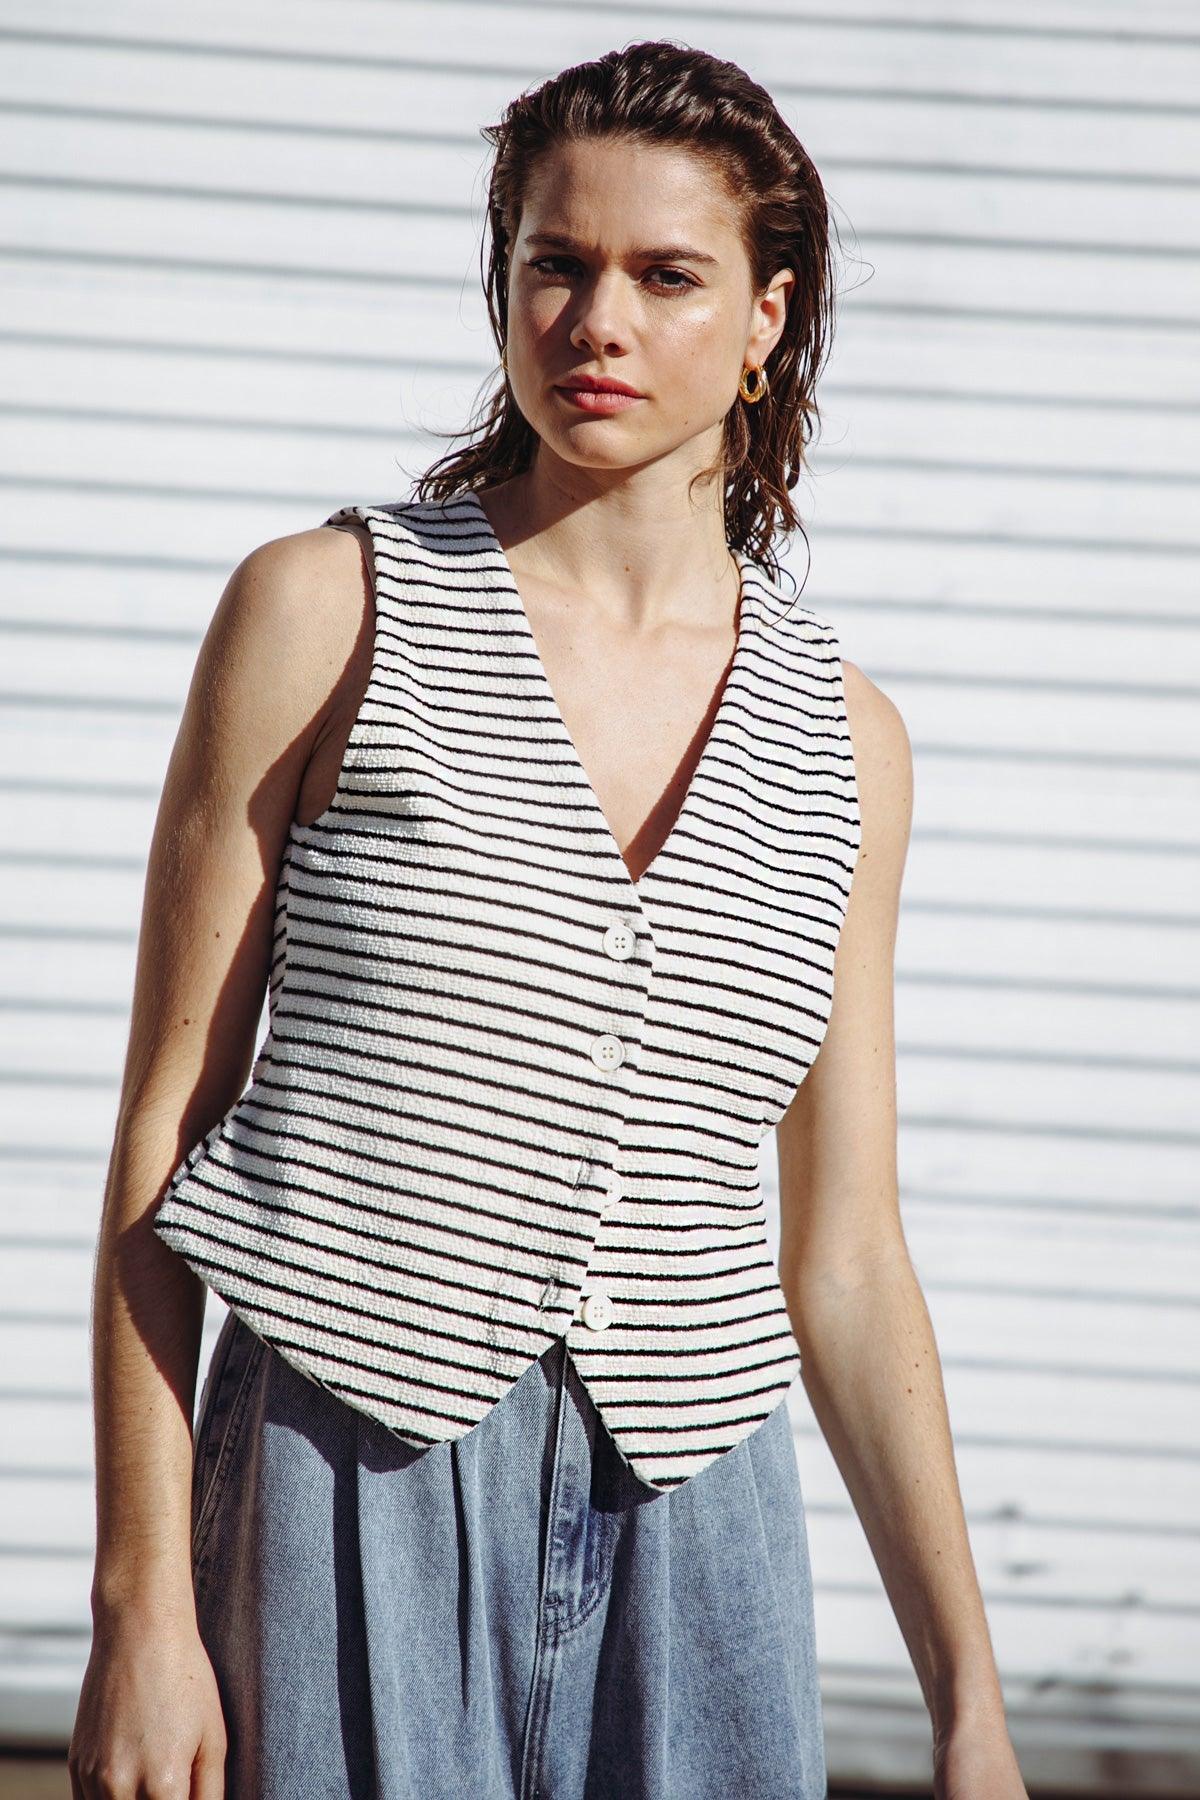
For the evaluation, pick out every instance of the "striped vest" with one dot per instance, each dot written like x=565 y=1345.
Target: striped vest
x=506 y=1092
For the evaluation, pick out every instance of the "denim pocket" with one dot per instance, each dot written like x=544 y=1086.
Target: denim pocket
x=223 y=1407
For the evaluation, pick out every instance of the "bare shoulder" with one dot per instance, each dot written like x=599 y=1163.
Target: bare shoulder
x=291 y=630
x=301 y=593
x=883 y=769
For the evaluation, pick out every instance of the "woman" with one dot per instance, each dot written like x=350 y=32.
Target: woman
x=494 y=1490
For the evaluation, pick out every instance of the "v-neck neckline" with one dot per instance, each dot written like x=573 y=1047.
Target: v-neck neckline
x=509 y=591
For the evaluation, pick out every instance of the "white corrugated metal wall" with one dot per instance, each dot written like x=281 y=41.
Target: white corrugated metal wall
x=239 y=253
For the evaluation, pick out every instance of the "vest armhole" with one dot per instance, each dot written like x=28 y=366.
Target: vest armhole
x=353 y=521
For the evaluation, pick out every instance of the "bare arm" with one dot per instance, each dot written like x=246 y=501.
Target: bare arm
x=275 y=686
x=870 y=1361
x=258 y=700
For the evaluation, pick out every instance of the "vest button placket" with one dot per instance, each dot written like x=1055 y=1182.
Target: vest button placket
x=627 y=944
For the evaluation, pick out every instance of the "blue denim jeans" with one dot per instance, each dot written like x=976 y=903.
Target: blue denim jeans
x=509 y=1616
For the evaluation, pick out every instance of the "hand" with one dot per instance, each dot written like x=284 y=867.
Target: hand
x=149 y=1718
x=977 y=1762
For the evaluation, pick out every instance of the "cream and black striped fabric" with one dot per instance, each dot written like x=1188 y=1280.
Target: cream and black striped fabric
x=506 y=1093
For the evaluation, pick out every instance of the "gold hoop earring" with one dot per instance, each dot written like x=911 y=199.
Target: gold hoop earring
x=761 y=386
x=504 y=358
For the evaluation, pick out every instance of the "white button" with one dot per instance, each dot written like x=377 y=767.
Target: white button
x=613 y=1191
x=619 y=941
x=597 y=1310
x=608 y=1052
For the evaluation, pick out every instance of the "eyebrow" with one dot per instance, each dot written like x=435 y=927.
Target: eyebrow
x=654 y=253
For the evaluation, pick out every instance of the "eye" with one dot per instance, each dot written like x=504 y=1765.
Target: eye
x=686 y=280
x=676 y=287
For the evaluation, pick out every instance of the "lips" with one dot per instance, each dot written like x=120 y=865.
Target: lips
x=582 y=384
x=602 y=403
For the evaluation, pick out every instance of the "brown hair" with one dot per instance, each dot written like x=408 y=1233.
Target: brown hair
x=660 y=92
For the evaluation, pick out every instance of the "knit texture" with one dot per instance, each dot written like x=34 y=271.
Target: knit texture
x=500 y=1076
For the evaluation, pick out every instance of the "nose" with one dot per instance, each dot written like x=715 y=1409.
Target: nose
x=600 y=323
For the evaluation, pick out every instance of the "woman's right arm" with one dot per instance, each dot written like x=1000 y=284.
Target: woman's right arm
x=267 y=703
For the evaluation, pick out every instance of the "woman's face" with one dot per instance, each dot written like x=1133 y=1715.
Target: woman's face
x=627 y=265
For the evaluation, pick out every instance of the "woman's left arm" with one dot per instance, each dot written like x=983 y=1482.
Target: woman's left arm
x=870 y=1360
